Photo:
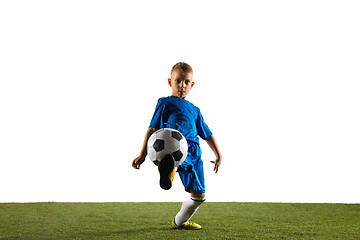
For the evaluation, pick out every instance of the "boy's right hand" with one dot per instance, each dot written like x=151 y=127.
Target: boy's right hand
x=138 y=161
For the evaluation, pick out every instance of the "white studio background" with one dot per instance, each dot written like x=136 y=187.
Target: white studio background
x=277 y=82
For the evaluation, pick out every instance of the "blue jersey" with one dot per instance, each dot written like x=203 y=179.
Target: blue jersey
x=182 y=115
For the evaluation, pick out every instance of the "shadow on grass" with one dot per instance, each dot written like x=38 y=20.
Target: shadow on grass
x=133 y=233
x=144 y=230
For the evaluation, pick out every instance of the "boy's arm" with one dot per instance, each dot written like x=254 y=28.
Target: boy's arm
x=215 y=148
x=141 y=158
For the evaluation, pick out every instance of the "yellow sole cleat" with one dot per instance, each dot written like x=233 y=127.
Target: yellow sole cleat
x=172 y=175
x=187 y=226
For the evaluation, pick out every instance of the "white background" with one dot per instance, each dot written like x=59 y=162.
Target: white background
x=276 y=81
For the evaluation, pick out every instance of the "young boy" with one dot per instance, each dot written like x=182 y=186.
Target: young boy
x=177 y=113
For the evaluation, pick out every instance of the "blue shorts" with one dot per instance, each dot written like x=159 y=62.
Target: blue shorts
x=191 y=171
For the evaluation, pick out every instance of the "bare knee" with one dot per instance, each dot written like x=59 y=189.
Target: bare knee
x=197 y=194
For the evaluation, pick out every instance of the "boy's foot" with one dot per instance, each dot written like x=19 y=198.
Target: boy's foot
x=187 y=226
x=166 y=168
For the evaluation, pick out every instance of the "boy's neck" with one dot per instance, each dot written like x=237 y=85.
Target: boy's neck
x=177 y=97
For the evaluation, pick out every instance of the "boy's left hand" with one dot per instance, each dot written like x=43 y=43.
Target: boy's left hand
x=217 y=163
x=213 y=145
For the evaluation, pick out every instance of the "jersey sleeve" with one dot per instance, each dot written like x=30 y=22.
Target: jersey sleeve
x=157 y=119
x=202 y=128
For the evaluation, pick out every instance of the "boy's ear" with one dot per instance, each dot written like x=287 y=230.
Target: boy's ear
x=192 y=84
x=169 y=81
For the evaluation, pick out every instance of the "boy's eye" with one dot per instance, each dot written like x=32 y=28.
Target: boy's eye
x=187 y=82
x=178 y=81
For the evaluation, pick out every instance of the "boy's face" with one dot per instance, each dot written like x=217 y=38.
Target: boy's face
x=181 y=83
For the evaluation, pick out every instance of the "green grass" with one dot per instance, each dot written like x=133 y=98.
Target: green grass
x=152 y=221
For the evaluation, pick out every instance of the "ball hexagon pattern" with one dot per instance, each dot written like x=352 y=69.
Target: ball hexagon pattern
x=167 y=141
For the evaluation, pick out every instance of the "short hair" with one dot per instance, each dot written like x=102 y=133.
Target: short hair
x=182 y=66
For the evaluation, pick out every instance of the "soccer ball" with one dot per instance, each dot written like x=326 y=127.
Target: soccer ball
x=167 y=141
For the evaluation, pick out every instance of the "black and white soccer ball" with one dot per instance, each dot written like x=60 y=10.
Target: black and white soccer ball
x=167 y=141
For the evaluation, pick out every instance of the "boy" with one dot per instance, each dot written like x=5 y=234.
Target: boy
x=177 y=113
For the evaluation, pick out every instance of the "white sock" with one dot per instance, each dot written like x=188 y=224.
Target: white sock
x=188 y=209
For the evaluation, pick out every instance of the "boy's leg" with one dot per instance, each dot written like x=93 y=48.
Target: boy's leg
x=188 y=209
x=192 y=176
x=194 y=194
